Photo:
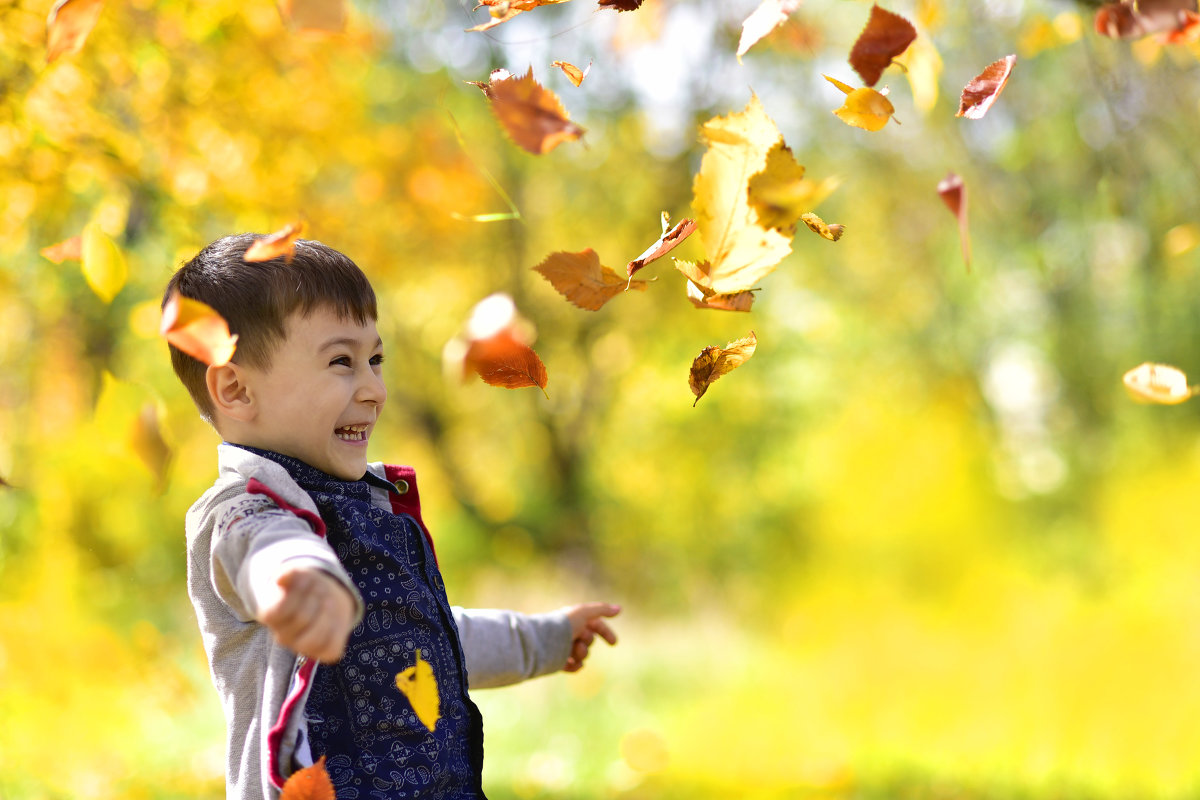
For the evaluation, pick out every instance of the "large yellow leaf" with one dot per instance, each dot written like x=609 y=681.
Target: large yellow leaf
x=781 y=193
x=420 y=687
x=739 y=250
x=103 y=264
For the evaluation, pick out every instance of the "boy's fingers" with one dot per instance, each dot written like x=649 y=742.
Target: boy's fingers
x=601 y=609
x=601 y=627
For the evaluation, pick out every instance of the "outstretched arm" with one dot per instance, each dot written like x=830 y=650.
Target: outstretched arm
x=587 y=622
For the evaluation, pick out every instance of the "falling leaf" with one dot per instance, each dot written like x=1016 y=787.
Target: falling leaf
x=769 y=15
x=739 y=250
x=496 y=347
x=574 y=73
x=1177 y=20
x=310 y=783
x=670 y=238
x=982 y=90
x=819 y=226
x=885 y=36
x=701 y=297
x=69 y=24
x=581 y=278
x=864 y=108
x=713 y=362
x=954 y=193
x=102 y=262
x=502 y=11
x=780 y=193
x=146 y=440
x=66 y=250
x=280 y=243
x=328 y=16
x=531 y=115
x=1158 y=383
x=420 y=687
x=495 y=77
x=622 y=5
x=198 y=330
x=922 y=68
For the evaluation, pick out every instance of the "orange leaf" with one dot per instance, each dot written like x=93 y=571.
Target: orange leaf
x=69 y=24
x=497 y=75
x=1157 y=383
x=280 y=243
x=954 y=193
x=702 y=297
x=310 y=783
x=670 y=238
x=314 y=15
x=713 y=362
x=531 y=115
x=820 y=227
x=885 y=36
x=504 y=10
x=68 y=249
x=573 y=73
x=982 y=90
x=198 y=330
x=581 y=278
x=496 y=347
x=769 y=15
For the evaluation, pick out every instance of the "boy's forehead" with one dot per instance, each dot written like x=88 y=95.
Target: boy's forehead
x=321 y=326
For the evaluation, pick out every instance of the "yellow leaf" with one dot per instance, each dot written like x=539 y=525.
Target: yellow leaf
x=739 y=250
x=923 y=68
x=420 y=687
x=706 y=298
x=573 y=73
x=1158 y=383
x=103 y=264
x=781 y=193
x=713 y=362
x=819 y=226
x=864 y=108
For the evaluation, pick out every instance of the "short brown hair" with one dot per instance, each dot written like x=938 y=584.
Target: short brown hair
x=256 y=298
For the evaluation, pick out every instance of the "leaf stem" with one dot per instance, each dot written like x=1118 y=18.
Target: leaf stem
x=513 y=211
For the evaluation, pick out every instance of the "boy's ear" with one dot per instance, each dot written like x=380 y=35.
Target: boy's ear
x=230 y=392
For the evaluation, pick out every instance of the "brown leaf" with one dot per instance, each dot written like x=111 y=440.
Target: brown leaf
x=621 y=5
x=573 y=73
x=885 y=36
x=1177 y=19
x=198 y=330
x=328 y=16
x=769 y=15
x=670 y=238
x=820 y=227
x=713 y=362
x=701 y=297
x=503 y=10
x=581 y=278
x=281 y=243
x=66 y=250
x=69 y=24
x=532 y=116
x=954 y=194
x=504 y=361
x=982 y=90
x=310 y=783
x=146 y=440
x=497 y=75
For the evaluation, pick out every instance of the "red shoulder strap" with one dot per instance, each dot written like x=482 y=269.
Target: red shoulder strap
x=408 y=499
x=255 y=486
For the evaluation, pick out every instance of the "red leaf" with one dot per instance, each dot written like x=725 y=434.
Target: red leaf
x=504 y=361
x=954 y=194
x=69 y=24
x=310 y=783
x=622 y=5
x=982 y=90
x=665 y=244
x=66 y=250
x=885 y=36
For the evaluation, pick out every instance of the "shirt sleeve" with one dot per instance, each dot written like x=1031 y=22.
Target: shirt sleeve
x=506 y=647
x=254 y=536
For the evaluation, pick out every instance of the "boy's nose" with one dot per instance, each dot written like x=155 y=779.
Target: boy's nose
x=371 y=389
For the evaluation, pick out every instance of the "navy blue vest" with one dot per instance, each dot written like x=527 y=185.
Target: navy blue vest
x=375 y=748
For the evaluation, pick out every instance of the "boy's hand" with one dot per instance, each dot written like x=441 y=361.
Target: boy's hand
x=312 y=614
x=587 y=621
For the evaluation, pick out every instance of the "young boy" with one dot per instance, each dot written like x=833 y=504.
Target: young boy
x=302 y=552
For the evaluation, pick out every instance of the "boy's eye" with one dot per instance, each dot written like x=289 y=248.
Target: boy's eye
x=377 y=359
x=341 y=361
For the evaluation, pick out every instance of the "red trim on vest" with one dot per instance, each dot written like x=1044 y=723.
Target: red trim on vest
x=255 y=486
x=409 y=502
x=275 y=735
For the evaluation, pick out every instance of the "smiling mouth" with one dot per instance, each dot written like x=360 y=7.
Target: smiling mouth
x=352 y=433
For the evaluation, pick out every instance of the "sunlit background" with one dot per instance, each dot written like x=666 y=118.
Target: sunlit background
x=921 y=545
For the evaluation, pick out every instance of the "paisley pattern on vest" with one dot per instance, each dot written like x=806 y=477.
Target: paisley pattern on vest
x=374 y=745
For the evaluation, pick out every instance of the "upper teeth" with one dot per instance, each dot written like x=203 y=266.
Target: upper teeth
x=355 y=428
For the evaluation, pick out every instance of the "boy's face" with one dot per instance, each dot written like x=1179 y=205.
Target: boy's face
x=321 y=396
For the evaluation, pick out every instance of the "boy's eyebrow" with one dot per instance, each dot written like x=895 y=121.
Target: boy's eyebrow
x=347 y=341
